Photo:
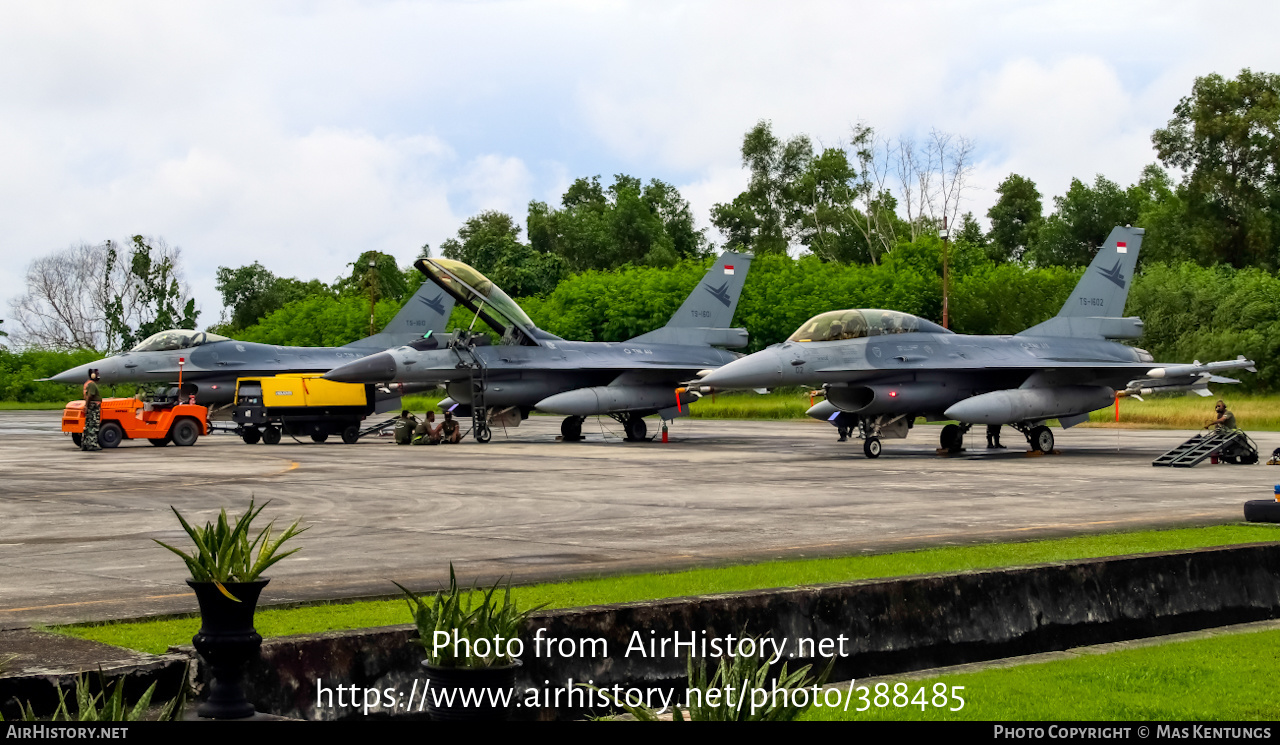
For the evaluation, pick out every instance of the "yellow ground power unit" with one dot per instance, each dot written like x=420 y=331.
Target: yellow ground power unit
x=300 y=404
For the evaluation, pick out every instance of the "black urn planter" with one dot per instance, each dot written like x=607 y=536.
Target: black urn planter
x=474 y=684
x=227 y=642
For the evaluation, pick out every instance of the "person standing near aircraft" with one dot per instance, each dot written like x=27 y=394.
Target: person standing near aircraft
x=993 y=437
x=92 y=413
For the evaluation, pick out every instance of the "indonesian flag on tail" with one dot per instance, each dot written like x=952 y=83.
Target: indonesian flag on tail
x=728 y=268
x=1121 y=247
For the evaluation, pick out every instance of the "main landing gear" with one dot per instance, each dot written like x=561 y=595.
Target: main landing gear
x=1039 y=437
x=571 y=429
x=952 y=438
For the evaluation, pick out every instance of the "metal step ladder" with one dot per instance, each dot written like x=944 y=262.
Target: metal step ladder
x=464 y=345
x=1195 y=451
x=377 y=428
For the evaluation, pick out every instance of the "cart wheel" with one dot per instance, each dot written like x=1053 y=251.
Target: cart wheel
x=483 y=433
x=184 y=432
x=251 y=435
x=319 y=437
x=77 y=438
x=158 y=441
x=351 y=434
x=110 y=435
x=871 y=447
x=271 y=435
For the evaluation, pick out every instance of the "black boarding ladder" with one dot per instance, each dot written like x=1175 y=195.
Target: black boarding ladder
x=465 y=346
x=1193 y=452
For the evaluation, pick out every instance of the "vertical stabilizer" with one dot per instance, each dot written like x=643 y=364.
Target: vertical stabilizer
x=1104 y=288
x=714 y=301
x=705 y=315
x=428 y=310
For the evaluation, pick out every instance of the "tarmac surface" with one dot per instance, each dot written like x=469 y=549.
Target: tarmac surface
x=76 y=528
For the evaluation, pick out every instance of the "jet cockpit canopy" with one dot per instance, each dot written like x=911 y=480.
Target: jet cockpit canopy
x=478 y=293
x=856 y=324
x=167 y=341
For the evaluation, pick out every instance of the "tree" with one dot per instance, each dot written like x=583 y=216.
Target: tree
x=764 y=218
x=92 y=296
x=490 y=243
x=252 y=292
x=1226 y=137
x=1081 y=222
x=1015 y=218
x=626 y=223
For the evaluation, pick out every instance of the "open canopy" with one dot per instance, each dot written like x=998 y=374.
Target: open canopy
x=167 y=341
x=478 y=293
x=856 y=324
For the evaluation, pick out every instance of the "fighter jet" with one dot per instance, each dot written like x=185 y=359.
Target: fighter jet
x=532 y=369
x=882 y=369
x=209 y=364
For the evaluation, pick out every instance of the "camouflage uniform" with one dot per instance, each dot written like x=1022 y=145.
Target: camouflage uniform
x=404 y=429
x=92 y=417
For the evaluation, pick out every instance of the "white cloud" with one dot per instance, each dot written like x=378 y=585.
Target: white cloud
x=299 y=135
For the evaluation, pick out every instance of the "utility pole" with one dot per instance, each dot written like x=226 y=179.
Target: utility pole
x=945 y=233
x=373 y=289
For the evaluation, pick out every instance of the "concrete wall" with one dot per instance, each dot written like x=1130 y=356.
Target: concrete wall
x=894 y=625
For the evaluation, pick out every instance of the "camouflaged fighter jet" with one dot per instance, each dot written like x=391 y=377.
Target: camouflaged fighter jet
x=881 y=369
x=211 y=363
x=532 y=369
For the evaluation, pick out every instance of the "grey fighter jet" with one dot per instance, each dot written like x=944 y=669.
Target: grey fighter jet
x=532 y=369
x=882 y=369
x=210 y=364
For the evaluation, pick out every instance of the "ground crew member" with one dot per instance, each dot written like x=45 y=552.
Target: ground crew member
x=404 y=427
x=1225 y=420
x=993 y=437
x=92 y=413
x=426 y=432
x=450 y=432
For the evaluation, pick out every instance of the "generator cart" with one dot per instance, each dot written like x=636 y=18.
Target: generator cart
x=300 y=404
x=158 y=422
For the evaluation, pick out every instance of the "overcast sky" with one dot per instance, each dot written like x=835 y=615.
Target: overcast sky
x=299 y=134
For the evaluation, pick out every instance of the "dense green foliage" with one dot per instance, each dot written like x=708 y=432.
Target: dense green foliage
x=20 y=370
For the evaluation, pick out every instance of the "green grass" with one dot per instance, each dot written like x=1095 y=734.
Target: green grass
x=32 y=405
x=1257 y=413
x=156 y=636
x=1227 y=677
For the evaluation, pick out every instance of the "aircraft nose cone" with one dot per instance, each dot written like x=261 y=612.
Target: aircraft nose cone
x=760 y=370
x=376 y=368
x=74 y=375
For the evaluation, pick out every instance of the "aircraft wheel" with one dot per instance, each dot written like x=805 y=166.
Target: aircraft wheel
x=1042 y=439
x=251 y=435
x=483 y=432
x=636 y=429
x=110 y=435
x=952 y=438
x=158 y=441
x=571 y=428
x=271 y=435
x=184 y=433
x=871 y=447
x=321 y=437
x=349 y=435
x=77 y=438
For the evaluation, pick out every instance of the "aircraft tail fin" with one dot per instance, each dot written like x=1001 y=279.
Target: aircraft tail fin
x=428 y=310
x=704 y=317
x=1096 y=306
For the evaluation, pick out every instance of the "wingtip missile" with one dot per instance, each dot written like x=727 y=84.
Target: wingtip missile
x=1197 y=368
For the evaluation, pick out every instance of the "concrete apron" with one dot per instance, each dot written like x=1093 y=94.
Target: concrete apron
x=891 y=626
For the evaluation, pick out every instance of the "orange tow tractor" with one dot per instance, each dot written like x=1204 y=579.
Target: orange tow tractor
x=160 y=423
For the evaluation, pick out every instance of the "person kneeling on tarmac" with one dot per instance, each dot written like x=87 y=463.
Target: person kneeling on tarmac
x=404 y=427
x=450 y=432
x=427 y=433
